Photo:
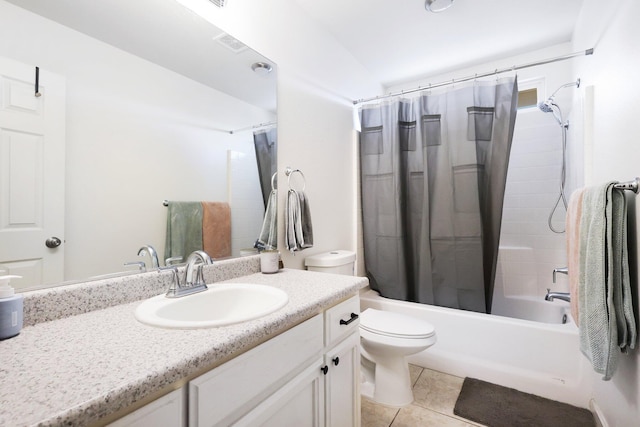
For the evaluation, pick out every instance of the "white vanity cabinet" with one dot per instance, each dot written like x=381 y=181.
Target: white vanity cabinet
x=342 y=361
x=327 y=392
x=306 y=376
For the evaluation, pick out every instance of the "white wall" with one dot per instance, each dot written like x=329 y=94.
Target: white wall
x=137 y=134
x=613 y=73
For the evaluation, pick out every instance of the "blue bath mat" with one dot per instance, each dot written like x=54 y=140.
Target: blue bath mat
x=497 y=406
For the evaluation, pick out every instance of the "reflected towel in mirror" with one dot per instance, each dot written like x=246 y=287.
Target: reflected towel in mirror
x=216 y=229
x=184 y=229
x=268 y=238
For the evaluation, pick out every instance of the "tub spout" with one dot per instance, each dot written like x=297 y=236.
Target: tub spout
x=550 y=296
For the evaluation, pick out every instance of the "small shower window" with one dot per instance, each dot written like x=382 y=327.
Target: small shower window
x=528 y=98
x=529 y=92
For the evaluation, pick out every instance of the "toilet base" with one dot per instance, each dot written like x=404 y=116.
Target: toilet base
x=392 y=383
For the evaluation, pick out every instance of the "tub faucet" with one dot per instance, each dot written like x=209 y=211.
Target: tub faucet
x=563 y=270
x=550 y=296
x=148 y=249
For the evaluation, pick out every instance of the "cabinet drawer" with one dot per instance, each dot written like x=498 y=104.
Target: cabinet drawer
x=341 y=320
x=220 y=396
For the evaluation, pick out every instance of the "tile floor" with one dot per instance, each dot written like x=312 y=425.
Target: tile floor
x=435 y=396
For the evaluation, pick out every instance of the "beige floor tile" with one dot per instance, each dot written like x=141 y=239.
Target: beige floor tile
x=437 y=391
x=375 y=415
x=414 y=373
x=416 y=416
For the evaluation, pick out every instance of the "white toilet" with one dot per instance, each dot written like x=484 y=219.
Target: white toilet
x=386 y=338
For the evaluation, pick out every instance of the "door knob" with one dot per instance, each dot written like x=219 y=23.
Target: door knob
x=53 y=242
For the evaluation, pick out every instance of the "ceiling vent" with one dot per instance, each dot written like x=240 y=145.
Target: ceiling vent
x=230 y=42
x=219 y=3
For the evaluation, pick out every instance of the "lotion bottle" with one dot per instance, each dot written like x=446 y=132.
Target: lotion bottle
x=11 y=314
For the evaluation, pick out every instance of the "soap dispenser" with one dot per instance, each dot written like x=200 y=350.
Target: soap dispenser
x=11 y=314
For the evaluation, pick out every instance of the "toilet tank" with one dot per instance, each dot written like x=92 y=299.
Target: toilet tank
x=336 y=262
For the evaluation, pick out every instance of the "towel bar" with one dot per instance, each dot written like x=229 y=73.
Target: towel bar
x=629 y=185
x=290 y=171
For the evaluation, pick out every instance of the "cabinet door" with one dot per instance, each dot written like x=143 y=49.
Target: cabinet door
x=166 y=411
x=342 y=383
x=299 y=403
x=231 y=390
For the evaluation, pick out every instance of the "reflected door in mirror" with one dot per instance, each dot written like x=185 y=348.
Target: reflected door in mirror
x=32 y=144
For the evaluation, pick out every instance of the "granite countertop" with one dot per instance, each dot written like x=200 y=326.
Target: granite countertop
x=79 y=369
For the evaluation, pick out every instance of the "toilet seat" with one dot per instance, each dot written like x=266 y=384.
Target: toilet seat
x=395 y=325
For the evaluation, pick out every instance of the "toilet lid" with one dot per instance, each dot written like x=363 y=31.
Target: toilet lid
x=395 y=324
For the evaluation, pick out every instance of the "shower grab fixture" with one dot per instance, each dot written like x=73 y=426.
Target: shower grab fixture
x=550 y=106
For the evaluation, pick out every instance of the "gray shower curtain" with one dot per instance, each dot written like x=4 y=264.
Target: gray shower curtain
x=433 y=172
x=266 y=147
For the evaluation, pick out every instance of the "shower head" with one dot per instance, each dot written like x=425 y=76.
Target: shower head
x=546 y=106
x=549 y=106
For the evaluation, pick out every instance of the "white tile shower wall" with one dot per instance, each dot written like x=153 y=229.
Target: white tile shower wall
x=245 y=199
x=529 y=249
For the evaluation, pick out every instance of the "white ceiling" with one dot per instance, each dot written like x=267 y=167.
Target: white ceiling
x=399 y=41
x=168 y=34
x=396 y=41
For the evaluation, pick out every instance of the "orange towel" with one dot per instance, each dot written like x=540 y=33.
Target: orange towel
x=216 y=229
x=574 y=216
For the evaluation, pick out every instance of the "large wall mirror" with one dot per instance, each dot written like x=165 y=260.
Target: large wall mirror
x=148 y=103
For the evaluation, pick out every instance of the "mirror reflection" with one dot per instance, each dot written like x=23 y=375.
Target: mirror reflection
x=141 y=103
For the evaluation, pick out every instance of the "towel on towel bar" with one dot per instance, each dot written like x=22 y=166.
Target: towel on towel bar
x=216 y=229
x=606 y=321
x=297 y=222
x=268 y=238
x=184 y=229
x=572 y=229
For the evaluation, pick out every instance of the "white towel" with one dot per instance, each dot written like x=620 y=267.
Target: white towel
x=606 y=319
x=297 y=222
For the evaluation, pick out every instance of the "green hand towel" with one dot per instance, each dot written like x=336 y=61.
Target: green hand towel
x=184 y=229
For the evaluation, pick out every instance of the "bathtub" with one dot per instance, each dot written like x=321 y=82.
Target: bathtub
x=534 y=357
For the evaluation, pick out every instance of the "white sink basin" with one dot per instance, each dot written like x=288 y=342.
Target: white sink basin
x=220 y=305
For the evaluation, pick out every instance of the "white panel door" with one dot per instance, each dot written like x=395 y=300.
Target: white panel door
x=32 y=167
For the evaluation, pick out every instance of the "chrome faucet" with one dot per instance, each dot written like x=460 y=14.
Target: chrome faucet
x=148 y=249
x=564 y=296
x=189 y=285
x=550 y=296
x=192 y=262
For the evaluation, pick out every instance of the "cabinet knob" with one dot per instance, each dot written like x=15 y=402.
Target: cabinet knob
x=336 y=360
x=346 y=322
x=325 y=369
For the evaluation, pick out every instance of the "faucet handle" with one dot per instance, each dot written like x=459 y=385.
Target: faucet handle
x=176 y=277
x=172 y=260
x=563 y=270
x=141 y=265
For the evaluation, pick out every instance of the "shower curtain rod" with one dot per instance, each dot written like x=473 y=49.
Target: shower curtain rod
x=258 y=126
x=476 y=76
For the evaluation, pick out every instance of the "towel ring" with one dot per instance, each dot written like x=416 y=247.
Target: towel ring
x=274 y=180
x=289 y=171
